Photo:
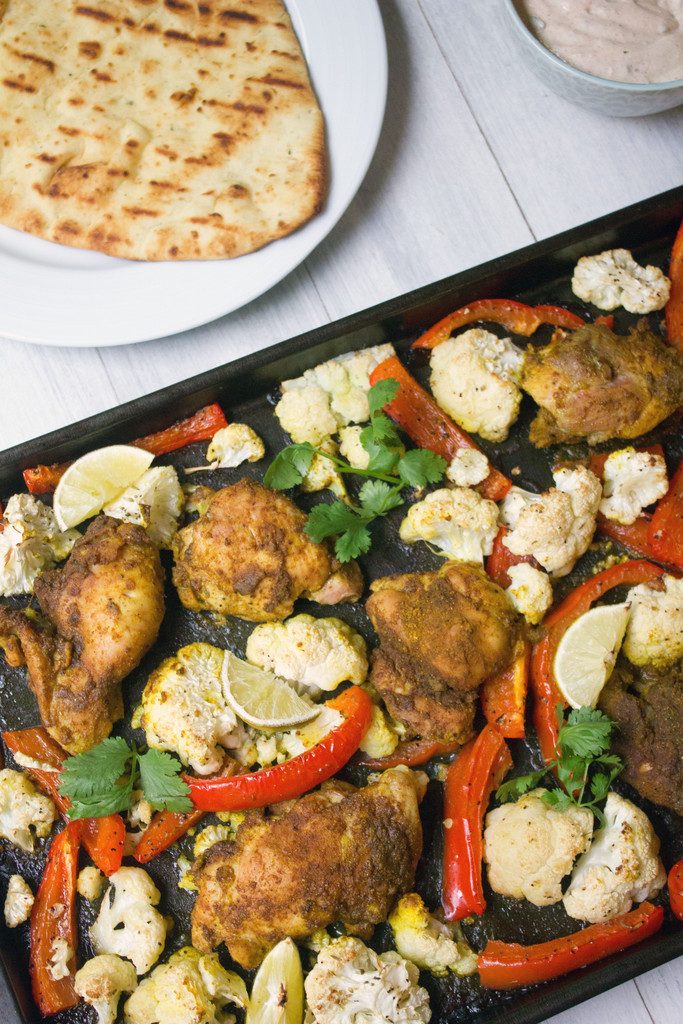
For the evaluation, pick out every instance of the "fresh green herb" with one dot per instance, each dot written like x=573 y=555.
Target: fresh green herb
x=390 y=469
x=583 y=764
x=102 y=780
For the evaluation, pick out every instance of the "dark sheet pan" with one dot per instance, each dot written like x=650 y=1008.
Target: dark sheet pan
x=246 y=389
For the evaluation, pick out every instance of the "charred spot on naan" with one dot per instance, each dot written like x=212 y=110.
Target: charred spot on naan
x=232 y=153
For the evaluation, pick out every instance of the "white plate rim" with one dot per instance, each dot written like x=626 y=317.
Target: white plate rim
x=50 y=295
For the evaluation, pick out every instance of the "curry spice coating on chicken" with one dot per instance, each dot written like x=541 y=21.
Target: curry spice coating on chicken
x=338 y=855
x=647 y=706
x=597 y=385
x=103 y=608
x=441 y=635
x=248 y=556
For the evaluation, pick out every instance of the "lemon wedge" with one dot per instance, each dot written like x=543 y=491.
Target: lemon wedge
x=96 y=478
x=587 y=652
x=262 y=699
x=277 y=996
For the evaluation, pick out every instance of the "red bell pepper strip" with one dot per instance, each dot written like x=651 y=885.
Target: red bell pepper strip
x=503 y=696
x=513 y=316
x=605 y=321
x=674 y=307
x=501 y=559
x=504 y=965
x=103 y=838
x=411 y=753
x=201 y=426
x=54 y=917
x=665 y=532
x=474 y=775
x=298 y=775
x=546 y=694
x=676 y=889
x=428 y=426
x=165 y=828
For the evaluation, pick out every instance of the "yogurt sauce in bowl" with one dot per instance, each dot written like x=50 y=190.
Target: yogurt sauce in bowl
x=623 y=40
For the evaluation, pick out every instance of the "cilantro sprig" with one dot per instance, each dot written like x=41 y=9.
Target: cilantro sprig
x=102 y=780
x=583 y=764
x=390 y=470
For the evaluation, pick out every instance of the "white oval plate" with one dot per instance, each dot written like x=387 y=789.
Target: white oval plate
x=53 y=295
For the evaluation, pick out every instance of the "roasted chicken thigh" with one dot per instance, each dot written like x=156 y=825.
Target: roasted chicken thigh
x=338 y=855
x=597 y=385
x=103 y=610
x=441 y=635
x=248 y=556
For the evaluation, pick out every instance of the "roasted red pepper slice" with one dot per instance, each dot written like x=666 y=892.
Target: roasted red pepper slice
x=54 y=917
x=428 y=426
x=165 y=828
x=501 y=559
x=103 y=838
x=510 y=965
x=665 y=532
x=513 y=316
x=676 y=889
x=411 y=753
x=295 y=777
x=503 y=696
x=674 y=307
x=474 y=775
x=201 y=426
x=546 y=694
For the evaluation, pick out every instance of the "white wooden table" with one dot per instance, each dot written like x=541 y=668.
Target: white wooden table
x=476 y=158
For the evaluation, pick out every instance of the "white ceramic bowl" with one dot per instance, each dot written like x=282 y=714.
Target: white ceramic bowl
x=619 y=99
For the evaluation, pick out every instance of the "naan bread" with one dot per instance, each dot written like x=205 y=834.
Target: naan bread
x=157 y=129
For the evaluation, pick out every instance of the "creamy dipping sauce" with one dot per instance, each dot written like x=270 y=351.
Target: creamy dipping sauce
x=624 y=40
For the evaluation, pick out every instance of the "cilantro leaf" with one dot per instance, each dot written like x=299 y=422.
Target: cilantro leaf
x=381 y=393
x=289 y=467
x=112 y=801
x=384 y=431
x=92 y=773
x=381 y=459
x=378 y=498
x=513 y=789
x=353 y=542
x=586 y=733
x=420 y=467
x=331 y=520
x=161 y=782
x=558 y=799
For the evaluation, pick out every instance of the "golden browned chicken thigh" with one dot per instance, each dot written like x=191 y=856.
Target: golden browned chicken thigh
x=441 y=635
x=248 y=556
x=597 y=385
x=104 y=608
x=338 y=855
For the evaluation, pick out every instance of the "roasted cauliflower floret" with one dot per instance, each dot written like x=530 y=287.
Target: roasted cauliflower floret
x=18 y=901
x=128 y=923
x=232 y=445
x=530 y=847
x=381 y=739
x=266 y=748
x=631 y=481
x=428 y=942
x=154 y=502
x=90 y=883
x=330 y=395
x=620 y=868
x=25 y=813
x=613 y=278
x=475 y=379
x=318 y=654
x=457 y=520
x=555 y=527
x=192 y=988
x=468 y=467
x=102 y=981
x=30 y=541
x=654 y=634
x=322 y=473
x=351 y=448
x=183 y=709
x=530 y=591
x=351 y=983
x=59 y=959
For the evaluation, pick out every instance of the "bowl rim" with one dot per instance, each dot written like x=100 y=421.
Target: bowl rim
x=613 y=83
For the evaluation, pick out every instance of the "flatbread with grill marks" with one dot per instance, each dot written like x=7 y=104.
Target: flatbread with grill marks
x=157 y=129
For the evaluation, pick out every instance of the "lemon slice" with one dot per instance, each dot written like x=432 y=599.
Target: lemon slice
x=262 y=699
x=96 y=478
x=277 y=995
x=587 y=652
